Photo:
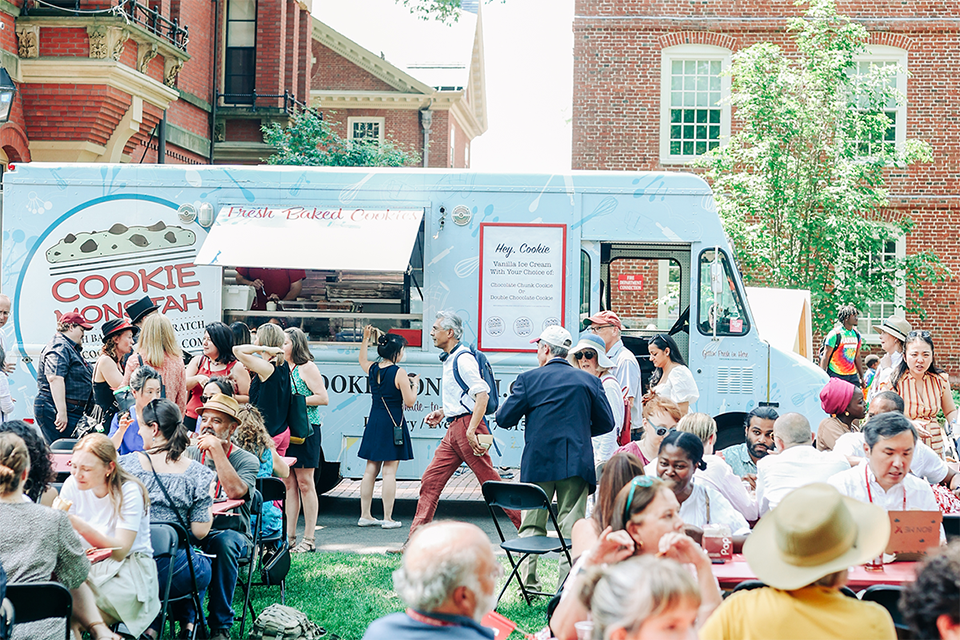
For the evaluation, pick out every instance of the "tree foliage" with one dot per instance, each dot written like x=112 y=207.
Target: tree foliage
x=801 y=186
x=311 y=141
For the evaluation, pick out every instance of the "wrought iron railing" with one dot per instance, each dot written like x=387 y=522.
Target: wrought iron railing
x=131 y=10
x=285 y=102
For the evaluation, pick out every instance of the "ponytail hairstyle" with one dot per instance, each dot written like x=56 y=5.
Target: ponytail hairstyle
x=689 y=444
x=271 y=335
x=663 y=342
x=42 y=472
x=389 y=346
x=100 y=446
x=14 y=459
x=166 y=416
x=251 y=434
x=627 y=594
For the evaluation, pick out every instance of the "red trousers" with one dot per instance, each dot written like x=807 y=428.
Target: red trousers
x=452 y=452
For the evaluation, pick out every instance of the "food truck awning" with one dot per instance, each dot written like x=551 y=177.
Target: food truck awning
x=301 y=237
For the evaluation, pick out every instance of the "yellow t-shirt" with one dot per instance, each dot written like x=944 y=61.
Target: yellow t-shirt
x=810 y=613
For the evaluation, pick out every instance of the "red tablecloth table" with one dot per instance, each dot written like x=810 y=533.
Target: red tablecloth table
x=61 y=461
x=730 y=574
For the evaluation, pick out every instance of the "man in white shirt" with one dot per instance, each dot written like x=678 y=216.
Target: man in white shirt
x=608 y=326
x=884 y=478
x=463 y=411
x=796 y=464
x=926 y=463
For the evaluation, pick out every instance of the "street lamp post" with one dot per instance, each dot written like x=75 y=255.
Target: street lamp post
x=7 y=91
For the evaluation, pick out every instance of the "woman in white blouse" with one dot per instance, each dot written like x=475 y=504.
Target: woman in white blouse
x=108 y=507
x=671 y=379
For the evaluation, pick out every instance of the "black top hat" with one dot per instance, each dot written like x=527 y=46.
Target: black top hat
x=111 y=327
x=141 y=308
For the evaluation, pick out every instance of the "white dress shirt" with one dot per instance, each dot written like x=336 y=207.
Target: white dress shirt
x=926 y=463
x=693 y=511
x=778 y=475
x=912 y=491
x=627 y=372
x=455 y=401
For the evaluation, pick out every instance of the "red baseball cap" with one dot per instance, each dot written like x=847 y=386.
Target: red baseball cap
x=73 y=317
x=603 y=318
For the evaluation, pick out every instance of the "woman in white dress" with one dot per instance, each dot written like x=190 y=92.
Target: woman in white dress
x=589 y=356
x=671 y=379
x=108 y=507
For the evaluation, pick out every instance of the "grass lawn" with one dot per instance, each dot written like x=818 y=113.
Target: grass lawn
x=344 y=593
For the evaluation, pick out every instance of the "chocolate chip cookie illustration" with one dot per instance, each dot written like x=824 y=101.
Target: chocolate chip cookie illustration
x=119 y=240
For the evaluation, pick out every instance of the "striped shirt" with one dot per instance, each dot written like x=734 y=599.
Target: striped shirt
x=922 y=401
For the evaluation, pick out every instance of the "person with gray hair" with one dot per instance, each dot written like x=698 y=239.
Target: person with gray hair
x=796 y=464
x=464 y=395
x=448 y=583
x=564 y=407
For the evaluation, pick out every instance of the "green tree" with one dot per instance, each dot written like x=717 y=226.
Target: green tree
x=801 y=186
x=311 y=141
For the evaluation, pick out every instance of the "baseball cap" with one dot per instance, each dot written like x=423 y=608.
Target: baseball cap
x=603 y=318
x=73 y=317
x=555 y=335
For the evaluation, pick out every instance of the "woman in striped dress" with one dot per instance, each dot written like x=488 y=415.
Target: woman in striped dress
x=925 y=389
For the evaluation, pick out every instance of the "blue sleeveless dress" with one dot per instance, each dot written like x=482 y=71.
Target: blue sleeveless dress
x=377 y=444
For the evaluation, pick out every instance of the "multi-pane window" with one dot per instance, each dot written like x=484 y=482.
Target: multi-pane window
x=367 y=129
x=875 y=311
x=241 y=52
x=883 y=58
x=694 y=106
x=694 y=119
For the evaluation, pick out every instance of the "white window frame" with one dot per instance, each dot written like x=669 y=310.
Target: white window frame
x=362 y=119
x=690 y=52
x=880 y=54
x=866 y=327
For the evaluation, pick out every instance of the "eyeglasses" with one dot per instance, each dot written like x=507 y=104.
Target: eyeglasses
x=586 y=353
x=596 y=327
x=639 y=481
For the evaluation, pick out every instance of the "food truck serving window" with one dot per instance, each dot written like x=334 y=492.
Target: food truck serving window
x=351 y=268
x=721 y=303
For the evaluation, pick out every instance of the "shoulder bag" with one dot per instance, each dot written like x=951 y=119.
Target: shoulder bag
x=297 y=420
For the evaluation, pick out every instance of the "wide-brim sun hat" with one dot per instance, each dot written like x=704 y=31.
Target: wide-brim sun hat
x=594 y=342
x=897 y=327
x=223 y=403
x=813 y=532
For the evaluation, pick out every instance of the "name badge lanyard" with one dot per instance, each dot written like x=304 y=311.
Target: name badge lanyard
x=870 y=493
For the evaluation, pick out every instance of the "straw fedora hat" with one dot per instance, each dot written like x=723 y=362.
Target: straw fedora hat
x=223 y=403
x=897 y=327
x=813 y=532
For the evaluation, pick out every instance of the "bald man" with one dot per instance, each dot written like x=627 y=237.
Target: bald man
x=8 y=364
x=796 y=463
x=448 y=582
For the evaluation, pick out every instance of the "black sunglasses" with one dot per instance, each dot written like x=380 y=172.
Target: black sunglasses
x=586 y=353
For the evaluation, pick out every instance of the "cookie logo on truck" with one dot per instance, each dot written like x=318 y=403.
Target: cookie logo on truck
x=119 y=240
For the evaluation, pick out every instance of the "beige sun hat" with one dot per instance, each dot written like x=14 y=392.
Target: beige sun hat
x=223 y=403
x=897 y=327
x=813 y=532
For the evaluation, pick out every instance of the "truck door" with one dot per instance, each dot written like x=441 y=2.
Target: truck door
x=648 y=286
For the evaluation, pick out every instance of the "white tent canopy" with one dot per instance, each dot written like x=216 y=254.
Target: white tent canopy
x=783 y=318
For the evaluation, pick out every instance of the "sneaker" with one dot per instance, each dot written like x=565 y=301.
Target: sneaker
x=368 y=522
x=391 y=524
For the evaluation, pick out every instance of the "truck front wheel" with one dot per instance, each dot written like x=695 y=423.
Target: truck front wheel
x=730 y=429
x=327 y=475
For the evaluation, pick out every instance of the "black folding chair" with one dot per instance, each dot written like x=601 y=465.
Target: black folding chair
x=749 y=585
x=63 y=444
x=250 y=560
x=888 y=597
x=39 y=601
x=271 y=490
x=523 y=497
x=6 y=619
x=951 y=526
x=167 y=539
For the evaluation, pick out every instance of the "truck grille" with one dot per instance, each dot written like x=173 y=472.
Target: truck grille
x=735 y=380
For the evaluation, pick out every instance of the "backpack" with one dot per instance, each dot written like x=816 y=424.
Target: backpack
x=833 y=350
x=279 y=622
x=486 y=372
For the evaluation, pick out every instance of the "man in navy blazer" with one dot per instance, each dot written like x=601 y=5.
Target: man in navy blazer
x=564 y=407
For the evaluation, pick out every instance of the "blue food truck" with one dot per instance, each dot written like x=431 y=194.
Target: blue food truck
x=510 y=253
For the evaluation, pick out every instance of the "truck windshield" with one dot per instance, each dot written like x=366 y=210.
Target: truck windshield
x=721 y=303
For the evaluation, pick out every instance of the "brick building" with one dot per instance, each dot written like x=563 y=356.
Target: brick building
x=402 y=78
x=124 y=81
x=641 y=64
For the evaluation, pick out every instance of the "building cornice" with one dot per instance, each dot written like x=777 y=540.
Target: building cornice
x=367 y=60
x=109 y=72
